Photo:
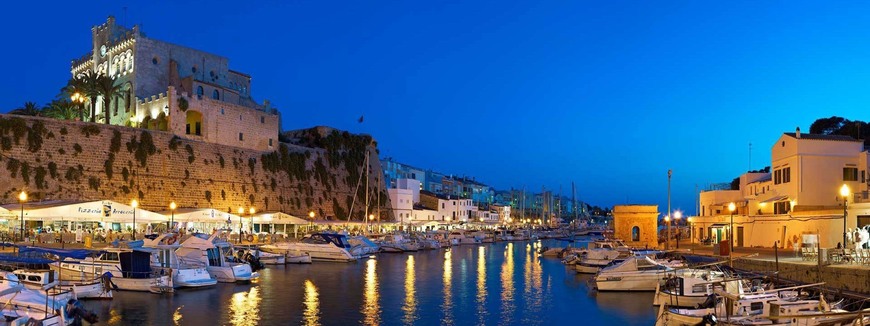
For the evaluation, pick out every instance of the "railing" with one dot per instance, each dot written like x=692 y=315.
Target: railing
x=861 y=197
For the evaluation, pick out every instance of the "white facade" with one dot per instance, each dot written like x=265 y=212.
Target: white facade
x=504 y=213
x=403 y=204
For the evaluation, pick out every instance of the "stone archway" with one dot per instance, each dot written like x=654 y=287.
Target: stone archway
x=194 y=123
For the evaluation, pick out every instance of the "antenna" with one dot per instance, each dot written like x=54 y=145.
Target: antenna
x=750 y=156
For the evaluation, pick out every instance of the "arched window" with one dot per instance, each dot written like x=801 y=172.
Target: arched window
x=635 y=233
x=216 y=95
x=199 y=91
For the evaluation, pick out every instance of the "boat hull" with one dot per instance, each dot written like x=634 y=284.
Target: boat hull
x=623 y=282
x=192 y=278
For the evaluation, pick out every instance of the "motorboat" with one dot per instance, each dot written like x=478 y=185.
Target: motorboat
x=397 y=243
x=319 y=246
x=128 y=269
x=693 y=289
x=761 y=308
x=185 y=272
x=266 y=258
x=36 y=273
x=23 y=306
x=462 y=237
x=595 y=259
x=217 y=255
x=361 y=246
x=635 y=273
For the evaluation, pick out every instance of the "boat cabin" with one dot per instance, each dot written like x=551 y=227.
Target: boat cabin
x=338 y=240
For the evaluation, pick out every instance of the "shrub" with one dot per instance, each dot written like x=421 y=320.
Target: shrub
x=89 y=130
x=115 y=146
x=182 y=104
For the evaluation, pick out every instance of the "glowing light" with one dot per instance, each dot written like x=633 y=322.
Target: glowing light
x=311 y=316
x=241 y=210
x=311 y=214
x=22 y=196
x=678 y=215
x=447 y=307
x=173 y=206
x=410 y=307
x=844 y=191
x=177 y=317
x=507 y=281
x=134 y=203
x=245 y=307
x=732 y=207
x=371 y=307
x=252 y=211
x=481 y=285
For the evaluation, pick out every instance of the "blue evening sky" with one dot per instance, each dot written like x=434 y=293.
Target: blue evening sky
x=608 y=94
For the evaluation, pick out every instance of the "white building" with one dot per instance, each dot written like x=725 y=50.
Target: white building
x=798 y=200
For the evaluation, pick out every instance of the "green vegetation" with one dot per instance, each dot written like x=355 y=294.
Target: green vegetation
x=40 y=177
x=840 y=126
x=208 y=196
x=182 y=104
x=174 y=142
x=115 y=146
x=63 y=131
x=77 y=148
x=12 y=165
x=15 y=126
x=107 y=166
x=52 y=170
x=34 y=136
x=190 y=157
x=143 y=148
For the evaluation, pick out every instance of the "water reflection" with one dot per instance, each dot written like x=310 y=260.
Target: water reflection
x=481 y=284
x=371 y=308
x=114 y=317
x=533 y=293
x=311 y=316
x=447 y=307
x=245 y=307
x=177 y=317
x=507 y=283
x=410 y=307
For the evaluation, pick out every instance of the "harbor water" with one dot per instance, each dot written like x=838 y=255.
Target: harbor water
x=505 y=283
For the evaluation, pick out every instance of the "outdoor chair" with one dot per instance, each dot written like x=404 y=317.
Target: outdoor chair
x=805 y=253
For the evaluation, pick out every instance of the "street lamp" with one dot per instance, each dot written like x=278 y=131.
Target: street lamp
x=677 y=216
x=691 y=229
x=844 y=191
x=78 y=97
x=241 y=212
x=22 y=197
x=172 y=207
x=134 y=203
x=731 y=208
x=668 y=237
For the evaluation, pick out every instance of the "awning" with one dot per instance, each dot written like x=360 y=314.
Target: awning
x=719 y=225
x=92 y=211
x=775 y=199
x=278 y=218
x=201 y=215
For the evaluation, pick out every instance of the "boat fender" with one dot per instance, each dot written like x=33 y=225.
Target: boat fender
x=709 y=320
x=250 y=238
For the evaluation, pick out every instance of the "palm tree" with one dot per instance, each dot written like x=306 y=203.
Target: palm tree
x=88 y=87
x=29 y=108
x=108 y=90
x=75 y=86
x=62 y=109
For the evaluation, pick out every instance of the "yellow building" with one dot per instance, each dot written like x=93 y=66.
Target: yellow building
x=637 y=225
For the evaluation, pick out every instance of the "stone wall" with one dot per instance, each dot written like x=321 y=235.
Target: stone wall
x=53 y=159
x=846 y=277
x=644 y=217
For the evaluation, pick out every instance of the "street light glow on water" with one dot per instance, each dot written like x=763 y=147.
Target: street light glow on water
x=500 y=284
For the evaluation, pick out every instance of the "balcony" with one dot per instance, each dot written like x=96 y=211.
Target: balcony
x=861 y=197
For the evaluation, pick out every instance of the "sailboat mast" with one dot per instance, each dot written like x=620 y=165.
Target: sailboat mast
x=366 y=208
x=574 y=200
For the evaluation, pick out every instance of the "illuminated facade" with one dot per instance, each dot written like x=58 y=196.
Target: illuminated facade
x=161 y=81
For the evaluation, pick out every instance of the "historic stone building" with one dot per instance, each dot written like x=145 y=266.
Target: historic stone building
x=637 y=225
x=169 y=87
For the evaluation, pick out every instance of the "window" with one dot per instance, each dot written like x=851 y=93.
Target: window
x=241 y=137
x=782 y=207
x=155 y=60
x=199 y=91
x=863 y=178
x=222 y=111
x=262 y=119
x=635 y=233
x=193 y=69
x=270 y=142
x=786 y=175
x=128 y=98
x=216 y=95
x=850 y=174
x=777 y=177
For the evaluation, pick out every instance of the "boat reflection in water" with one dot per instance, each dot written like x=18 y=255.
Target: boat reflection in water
x=245 y=307
x=311 y=315
x=447 y=307
x=371 y=307
x=410 y=307
x=177 y=318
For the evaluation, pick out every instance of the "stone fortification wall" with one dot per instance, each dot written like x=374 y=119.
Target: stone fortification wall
x=846 y=277
x=53 y=159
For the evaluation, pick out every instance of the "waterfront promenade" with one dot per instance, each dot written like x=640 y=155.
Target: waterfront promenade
x=846 y=276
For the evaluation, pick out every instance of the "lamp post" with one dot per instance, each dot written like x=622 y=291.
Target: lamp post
x=22 y=197
x=80 y=101
x=668 y=240
x=668 y=223
x=134 y=204
x=172 y=207
x=731 y=208
x=844 y=191
x=677 y=216
x=241 y=212
x=691 y=230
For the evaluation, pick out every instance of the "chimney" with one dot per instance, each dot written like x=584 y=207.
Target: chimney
x=797 y=133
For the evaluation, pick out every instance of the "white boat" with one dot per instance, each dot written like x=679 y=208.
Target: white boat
x=594 y=260
x=129 y=270
x=319 y=246
x=185 y=272
x=361 y=246
x=217 y=256
x=23 y=306
x=462 y=238
x=756 y=309
x=303 y=258
x=692 y=290
x=635 y=273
